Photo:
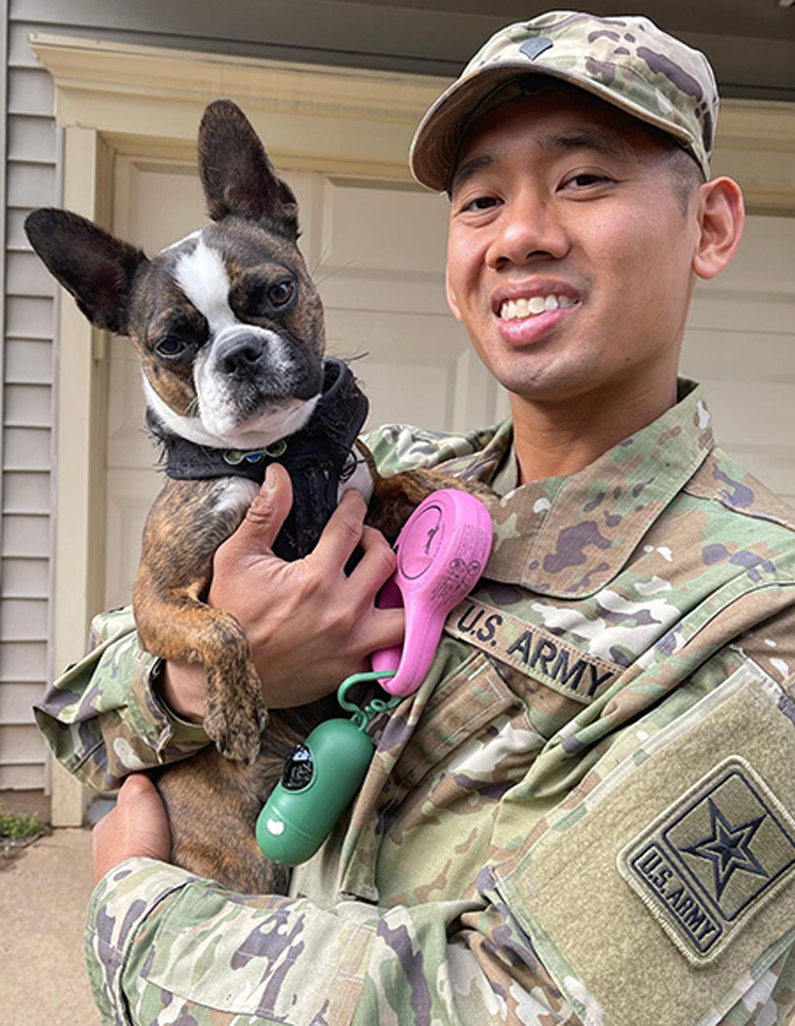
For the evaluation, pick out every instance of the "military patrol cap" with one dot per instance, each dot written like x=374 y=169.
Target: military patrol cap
x=626 y=61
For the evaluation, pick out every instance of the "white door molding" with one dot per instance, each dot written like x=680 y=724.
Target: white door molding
x=150 y=100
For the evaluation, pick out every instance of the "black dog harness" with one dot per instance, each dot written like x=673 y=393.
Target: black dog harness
x=318 y=458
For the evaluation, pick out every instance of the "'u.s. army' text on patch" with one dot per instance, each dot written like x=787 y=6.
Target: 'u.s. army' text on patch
x=712 y=859
x=533 y=650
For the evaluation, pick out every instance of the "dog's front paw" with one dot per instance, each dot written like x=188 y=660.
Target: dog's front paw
x=238 y=723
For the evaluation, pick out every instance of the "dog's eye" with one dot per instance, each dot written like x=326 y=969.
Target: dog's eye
x=171 y=347
x=281 y=292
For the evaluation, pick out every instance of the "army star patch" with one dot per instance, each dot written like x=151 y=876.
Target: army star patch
x=713 y=859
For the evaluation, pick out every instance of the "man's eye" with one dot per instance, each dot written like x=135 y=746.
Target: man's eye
x=586 y=179
x=481 y=203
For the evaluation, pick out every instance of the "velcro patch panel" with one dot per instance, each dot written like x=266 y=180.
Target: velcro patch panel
x=673 y=878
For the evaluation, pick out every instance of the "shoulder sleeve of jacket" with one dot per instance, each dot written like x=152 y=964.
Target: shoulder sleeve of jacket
x=399 y=447
x=102 y=717
x=165 y=946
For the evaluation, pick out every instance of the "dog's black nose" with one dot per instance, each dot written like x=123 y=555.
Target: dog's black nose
x=243 y=359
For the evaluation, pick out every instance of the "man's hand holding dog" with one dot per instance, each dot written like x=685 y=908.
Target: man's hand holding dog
x=309 y=624
x=138 y=825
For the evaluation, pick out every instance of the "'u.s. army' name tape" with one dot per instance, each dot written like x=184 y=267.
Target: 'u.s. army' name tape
x=533 y=650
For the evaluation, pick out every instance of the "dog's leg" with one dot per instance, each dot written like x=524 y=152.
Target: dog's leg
x=213 y=805
x=187 y=523
x=181 y=627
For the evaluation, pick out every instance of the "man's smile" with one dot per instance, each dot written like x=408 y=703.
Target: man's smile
x=524 y=309
x=521 y=324
x=518 y=309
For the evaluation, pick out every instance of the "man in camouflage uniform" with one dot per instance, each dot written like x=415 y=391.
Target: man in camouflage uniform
x=585 y=814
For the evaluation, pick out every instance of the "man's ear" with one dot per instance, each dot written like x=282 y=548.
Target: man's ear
x=452 y=302
x=721 y=215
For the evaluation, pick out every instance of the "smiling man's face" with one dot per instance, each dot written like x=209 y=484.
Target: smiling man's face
x=563 y=204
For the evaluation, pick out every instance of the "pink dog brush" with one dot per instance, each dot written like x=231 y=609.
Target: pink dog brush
x=442 y=551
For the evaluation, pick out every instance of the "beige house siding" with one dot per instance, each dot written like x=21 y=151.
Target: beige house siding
x=28 y=405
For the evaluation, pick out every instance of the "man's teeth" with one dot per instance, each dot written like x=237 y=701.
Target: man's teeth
x=513 y=309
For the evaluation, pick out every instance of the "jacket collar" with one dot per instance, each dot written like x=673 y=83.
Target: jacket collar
x=568 y=537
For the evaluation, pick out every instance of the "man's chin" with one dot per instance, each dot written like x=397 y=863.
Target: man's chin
x=548 y=386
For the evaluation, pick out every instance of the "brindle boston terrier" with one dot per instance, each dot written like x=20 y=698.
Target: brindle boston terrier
x=229 y=330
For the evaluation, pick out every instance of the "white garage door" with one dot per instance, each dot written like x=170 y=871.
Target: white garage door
x=376 y=250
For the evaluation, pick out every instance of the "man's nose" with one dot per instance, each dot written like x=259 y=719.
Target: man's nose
x=528 y=230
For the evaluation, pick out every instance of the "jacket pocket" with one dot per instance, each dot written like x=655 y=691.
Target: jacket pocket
x=459 y=709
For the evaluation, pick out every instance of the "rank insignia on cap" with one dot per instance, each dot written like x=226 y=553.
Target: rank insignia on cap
x=713 y=859
x=533 y=48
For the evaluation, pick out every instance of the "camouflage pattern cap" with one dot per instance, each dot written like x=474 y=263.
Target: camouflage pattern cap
x=626 y=61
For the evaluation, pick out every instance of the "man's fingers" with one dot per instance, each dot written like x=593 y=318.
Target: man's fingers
x=387 y=628
x=377 y=564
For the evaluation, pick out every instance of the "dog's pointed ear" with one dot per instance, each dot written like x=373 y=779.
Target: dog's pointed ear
x=95 y=267
x=237 y=176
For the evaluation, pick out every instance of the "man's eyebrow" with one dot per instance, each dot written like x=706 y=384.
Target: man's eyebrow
x=597 y=139
x=469 y=168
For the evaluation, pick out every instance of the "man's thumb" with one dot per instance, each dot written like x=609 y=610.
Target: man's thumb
x=137 y=787
x=268 y=511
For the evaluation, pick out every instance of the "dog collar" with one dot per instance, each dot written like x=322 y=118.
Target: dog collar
x=318 y=458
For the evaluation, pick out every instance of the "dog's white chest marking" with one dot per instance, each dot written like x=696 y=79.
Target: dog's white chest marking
x=202 y=276
x=236 y=495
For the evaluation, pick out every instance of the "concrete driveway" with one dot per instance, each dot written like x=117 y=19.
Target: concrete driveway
x=44 y=891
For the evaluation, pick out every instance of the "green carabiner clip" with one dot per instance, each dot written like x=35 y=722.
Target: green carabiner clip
x=363 y=717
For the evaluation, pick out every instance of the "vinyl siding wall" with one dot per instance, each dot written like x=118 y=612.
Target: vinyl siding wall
x=28 y=404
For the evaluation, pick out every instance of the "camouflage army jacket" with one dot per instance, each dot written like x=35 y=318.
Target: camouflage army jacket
x=585 y=816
